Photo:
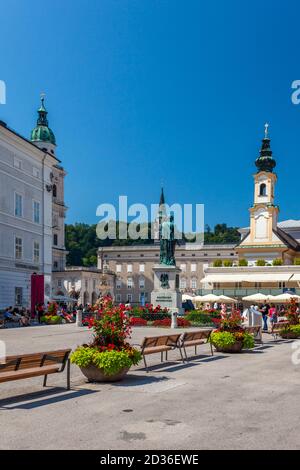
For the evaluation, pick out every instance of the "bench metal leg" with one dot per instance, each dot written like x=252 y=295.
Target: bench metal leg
x=184 y=353
x=211 y=348
x=195 y=350
x=45 y=380
x=180 y=350
x=146 y=367
x=161 y=356
x=166 y=355
x=68 y=375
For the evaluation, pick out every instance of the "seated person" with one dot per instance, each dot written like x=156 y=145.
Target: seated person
x=25 y=318
x=8 y=315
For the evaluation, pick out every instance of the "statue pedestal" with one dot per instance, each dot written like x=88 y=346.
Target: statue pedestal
x=166 y=291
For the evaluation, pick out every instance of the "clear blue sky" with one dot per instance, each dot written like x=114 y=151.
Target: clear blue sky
x=140 y=91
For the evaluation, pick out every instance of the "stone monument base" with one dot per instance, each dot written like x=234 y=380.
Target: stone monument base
x=166 y=291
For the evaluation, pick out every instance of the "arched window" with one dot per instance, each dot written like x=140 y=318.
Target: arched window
x=263 y=190
x=54 y=190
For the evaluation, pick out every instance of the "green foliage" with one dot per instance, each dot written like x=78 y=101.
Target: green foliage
x=248 y=341
x=295 y=329
x=51 y=319
x=200 y=317
x=243 y=262
x=82 y=242
x=218 y=263
x=222 y=339
x=297 y=261
x=227 y=263
x=261 y=262
x=111 y=362
x=277 y=262
x=221 y=234
x=83 y=356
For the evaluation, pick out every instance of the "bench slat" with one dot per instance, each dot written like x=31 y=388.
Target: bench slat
x=26 y=373
x=33 y=360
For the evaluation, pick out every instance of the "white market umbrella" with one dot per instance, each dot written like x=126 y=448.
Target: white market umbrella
x=187 y=297
x=198 y=298
x=284 y=298
x=209 y=298
x=226 y=300
x=256 y=297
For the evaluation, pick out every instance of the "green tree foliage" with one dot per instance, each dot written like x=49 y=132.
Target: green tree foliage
x=82 y=242
x=221 y=235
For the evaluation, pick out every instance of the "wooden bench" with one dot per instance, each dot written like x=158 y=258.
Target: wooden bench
x=24 y=366
x=160 y=344
x=255 y=331
x=276 y=327
x=195 y=338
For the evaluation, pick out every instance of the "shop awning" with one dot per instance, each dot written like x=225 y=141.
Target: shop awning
x=268 y=277
x=249 y=277
x=211 y=278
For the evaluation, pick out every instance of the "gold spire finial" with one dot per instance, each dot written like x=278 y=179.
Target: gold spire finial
x=267 y=125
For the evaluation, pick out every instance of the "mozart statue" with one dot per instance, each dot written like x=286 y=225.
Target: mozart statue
x=167 y=242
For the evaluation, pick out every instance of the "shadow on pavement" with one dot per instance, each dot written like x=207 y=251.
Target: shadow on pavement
x=132 y=380
x=42 y=398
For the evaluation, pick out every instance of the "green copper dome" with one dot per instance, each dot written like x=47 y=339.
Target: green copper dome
x=265 y=161
x=42 y=132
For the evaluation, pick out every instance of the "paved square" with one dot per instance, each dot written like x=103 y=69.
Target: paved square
x=244 y=401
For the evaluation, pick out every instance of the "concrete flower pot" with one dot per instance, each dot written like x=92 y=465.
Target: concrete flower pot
x=94 y=374
x=235 y=348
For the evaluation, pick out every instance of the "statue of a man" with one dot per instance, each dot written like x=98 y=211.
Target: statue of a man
x=167 y=242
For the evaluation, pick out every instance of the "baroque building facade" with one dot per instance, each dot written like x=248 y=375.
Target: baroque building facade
x=29 y=169
x=269 y=251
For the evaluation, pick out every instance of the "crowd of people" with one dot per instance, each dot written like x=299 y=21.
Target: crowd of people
x=24 y=317
x=270 y=313
x=17 y=315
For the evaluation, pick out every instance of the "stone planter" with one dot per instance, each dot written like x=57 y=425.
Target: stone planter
x=288 y=335
x=235 y=348
x=94 y=374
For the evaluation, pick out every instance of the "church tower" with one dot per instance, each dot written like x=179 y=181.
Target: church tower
x=158 y=219
x=265 y=240
x=264 y=213
x=43 y=137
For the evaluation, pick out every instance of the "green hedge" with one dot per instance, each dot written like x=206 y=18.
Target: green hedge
x=200 y=317
x=154 y=316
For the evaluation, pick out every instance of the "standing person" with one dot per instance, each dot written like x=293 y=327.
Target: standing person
x=265 y=311
x=273 y=315
x=40 y=312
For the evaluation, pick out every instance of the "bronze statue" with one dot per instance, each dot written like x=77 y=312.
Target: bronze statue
x=167 y=242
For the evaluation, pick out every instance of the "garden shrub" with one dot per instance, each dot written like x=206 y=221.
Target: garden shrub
x=243 y=262
x=137 y=321
x=261 y=262
x=110 y=361
x=201 y=317
x=218 y=263
x=227 y=263
x=166 y=323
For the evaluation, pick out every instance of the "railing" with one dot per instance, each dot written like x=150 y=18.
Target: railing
x=243 y=292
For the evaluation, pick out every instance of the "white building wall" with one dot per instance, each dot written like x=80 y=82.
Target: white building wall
x=24 y=170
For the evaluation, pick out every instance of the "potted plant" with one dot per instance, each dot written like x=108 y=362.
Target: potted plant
x=230 y=337
x=108 y=357
x=292 y=330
